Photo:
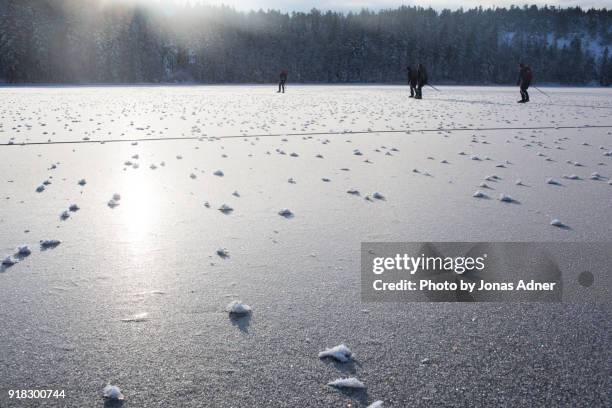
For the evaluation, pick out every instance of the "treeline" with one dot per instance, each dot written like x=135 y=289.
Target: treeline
x=119 y=42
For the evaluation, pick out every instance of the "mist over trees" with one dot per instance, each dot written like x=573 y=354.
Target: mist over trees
x=85 y=41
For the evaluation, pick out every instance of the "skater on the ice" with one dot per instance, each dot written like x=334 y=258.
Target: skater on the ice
x=283 y=80
x=412 y=80
x=524 y=80
x=421 y=81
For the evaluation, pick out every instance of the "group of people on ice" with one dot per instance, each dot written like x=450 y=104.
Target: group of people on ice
x=417 y=79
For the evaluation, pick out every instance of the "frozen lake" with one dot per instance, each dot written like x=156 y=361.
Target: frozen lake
x=63 y=310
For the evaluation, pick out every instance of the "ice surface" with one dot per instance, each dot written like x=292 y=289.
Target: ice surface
x=163 y=237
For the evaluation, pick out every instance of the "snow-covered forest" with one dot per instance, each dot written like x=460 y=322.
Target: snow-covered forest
x=117 y=42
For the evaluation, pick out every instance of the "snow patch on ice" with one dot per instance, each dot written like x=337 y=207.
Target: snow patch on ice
x=346 y=383
x=236 y=307
x=113 y=393
x=223 y=253
x=285 y=212
x=49 y=243
x=341 y=353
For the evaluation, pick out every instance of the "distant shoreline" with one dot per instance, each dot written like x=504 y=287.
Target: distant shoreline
x=270 y=84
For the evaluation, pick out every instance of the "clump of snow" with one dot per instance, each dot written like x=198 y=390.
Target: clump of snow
x=341 y=353
x=236 y=194
x=137 y=318
x=82 y=182
x=378 y=196
x=223 y=253
x=285 y=212
x=479 y=194
x=238 y=308
x=49 y=243
x=225 y=209
x=114 y=202
x=506 y=198
x=113 y=393
x=291 y=180
x=557 y=223
x=595 y=176
x=40 y=188
x=74 y=208
x=571 y=177
x=23 y=250
x=9 y=261
x=346 y=383
x=552 y=181
x=193 y=176
x=376 y=404
x=64 y=215
x=353 y=192
x=218 y=173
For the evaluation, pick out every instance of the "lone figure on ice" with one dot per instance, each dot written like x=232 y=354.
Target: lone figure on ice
x=283 y=80
x=421 y=81
x=412 y=80
x=524 y=80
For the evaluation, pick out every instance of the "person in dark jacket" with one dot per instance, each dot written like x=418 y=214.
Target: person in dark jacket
x=421 y=81
x=524 y=80
x=412 y=80
x=283 y=81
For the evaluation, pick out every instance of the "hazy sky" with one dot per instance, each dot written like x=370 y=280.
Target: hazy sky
x=288 y=5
